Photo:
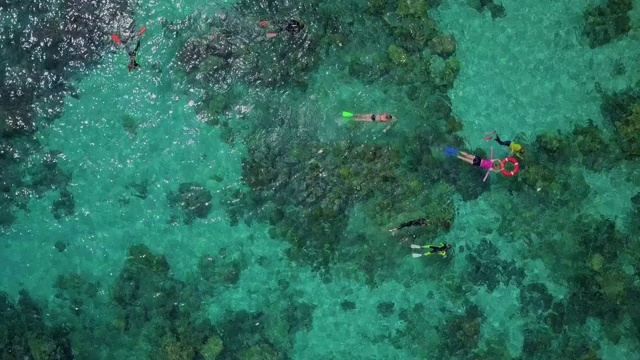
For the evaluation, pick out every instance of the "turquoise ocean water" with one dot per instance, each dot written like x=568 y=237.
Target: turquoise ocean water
x=292 y=258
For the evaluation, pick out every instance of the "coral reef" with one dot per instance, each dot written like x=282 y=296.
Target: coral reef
x=546 y=189
x=212 y=348
x=462 y=332
x=535 y=298
x=244 y=336
x=150 y=302
x=592 y=146
x=147 y=313
x=193 y=199
x=70 y=36
x=607 y=22
x=385 y=308
x=143 y=275
x=64 y=206
x=25 y=335
x=32 y=82
x=260 y=352
x=303 y=185
x=443 y=45
x=411 y=8
x=536 y=341
x=496 y=10
x=74 y=291
x=622 y=110
x=398 y=56
x=20 y=178
x=444 y=72
x=321 y=194
x=130 y=124
x=330 y=182
x=486 y=269
x=207 y=57
x=220 y=270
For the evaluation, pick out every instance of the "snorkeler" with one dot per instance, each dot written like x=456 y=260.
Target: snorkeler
x=131 y=52
x=384 y=117
x=493 y=164
x=132 y=57
x=417 y=222
x=515 y=148
x=432 y=249
x=293 y=27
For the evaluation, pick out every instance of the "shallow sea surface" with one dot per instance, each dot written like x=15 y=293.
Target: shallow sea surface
x=530 y=72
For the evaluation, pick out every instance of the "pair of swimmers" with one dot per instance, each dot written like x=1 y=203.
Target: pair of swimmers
x=489 y=164
x=494 y=165
x=440 y=249
x=293 y=27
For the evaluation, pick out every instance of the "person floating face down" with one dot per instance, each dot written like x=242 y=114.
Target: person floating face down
x=385 y=118
x=131 y=52
x=493 y=164
x=293 y=27
x=417 y=222
x=441 y=249
x=132 y=57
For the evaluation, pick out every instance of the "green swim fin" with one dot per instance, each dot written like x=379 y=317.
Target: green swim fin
x=347 y=114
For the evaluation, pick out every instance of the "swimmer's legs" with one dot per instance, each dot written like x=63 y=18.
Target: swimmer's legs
x=466 y=157
x=505 y=143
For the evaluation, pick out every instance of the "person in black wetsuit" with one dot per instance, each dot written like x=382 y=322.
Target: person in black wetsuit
x=417 y=222
x=293 y=27
x=125 y=44
x=132 y=57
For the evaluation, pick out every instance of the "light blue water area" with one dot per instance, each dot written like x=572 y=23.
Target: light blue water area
x=541 y=81
x=530 y=72
x=170 y=145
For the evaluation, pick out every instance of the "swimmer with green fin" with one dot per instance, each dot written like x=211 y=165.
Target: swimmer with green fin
x=441 y=249
x=383 y=118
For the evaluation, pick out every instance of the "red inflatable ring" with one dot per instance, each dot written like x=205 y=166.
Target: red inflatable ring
x=506 y=172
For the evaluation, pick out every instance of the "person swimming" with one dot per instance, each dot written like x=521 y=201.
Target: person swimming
x=515 y=148
x=493 y=164
x=293 y=27
x=132 y=57
x=131 y=52
x=441 y=249
x=417 y=222
x=383 y=118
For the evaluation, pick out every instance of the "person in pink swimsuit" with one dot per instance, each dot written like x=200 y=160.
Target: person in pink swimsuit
x=493 y=164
